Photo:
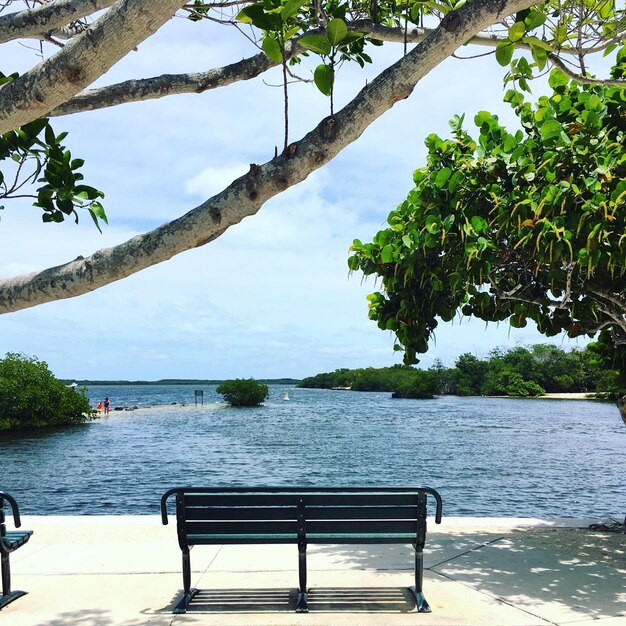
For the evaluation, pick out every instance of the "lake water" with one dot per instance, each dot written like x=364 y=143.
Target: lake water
x=486 y=456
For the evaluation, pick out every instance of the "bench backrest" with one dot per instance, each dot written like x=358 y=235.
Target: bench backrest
x=292 y=515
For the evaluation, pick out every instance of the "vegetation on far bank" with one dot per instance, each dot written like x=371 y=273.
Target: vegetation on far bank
x=176 y=381
x=31 y=397
x=518 y=372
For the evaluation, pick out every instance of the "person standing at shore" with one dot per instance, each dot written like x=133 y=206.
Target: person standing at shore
x=107 y=404
x=99 y=408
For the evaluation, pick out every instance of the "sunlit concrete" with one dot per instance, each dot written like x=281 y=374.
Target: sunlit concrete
x=125 y=571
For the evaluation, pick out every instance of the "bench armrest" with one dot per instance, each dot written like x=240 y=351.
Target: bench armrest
x=15 y=509
x=164 y=499
x=438 y=500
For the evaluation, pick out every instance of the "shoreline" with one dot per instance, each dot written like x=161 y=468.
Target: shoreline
x=547 y=396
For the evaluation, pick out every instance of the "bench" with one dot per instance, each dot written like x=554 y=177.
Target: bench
x=9 y=542
x=302 y=516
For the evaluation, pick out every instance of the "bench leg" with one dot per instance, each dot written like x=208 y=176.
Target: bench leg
x=7 y=595
x=188 y=592
x=302 y=606
x=420 y=600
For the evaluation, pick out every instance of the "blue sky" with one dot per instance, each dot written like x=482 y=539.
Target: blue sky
x=272 y=297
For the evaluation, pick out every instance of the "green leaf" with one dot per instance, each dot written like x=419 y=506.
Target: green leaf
x=483 y=117
x=478 y=224
x=291 y=8
x=272 y=49
x=540 y=56
x=442 y=176
x=256 y=15
x=336 y=31
x=504 y=52
x=432 y=225
x=386 y=254
x=557 y=79
x=535 y=42
x=517 y=31
x=606 y=9
x=534 y=19
x=49 y=135
x=550 y=129
x=323 y=78
x=316 y=43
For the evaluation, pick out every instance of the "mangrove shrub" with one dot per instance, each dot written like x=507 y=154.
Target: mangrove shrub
x=31 y=396
x=242 y=392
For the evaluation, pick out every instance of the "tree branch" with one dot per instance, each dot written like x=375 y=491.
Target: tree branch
x=246 y=69
x=247 y=194
x=33 y=23
x=82 y=60
x=584 y=80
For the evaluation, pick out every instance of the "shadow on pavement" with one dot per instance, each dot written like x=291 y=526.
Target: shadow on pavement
x=321 y=600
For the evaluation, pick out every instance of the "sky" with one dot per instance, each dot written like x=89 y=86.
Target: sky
x=272 y=297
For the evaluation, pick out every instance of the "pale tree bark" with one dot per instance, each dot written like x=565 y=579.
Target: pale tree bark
x=246 y=69
x=139 y=90
x=82 y=60
x=33 y=23
x=247 y=194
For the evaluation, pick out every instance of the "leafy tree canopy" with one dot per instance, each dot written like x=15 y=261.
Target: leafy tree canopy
x=31 y=397
x=331 y=33
x=513 y=226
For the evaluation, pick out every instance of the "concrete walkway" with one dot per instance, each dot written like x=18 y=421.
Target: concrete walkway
x=110 y=571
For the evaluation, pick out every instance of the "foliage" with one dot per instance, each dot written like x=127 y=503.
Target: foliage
x=470 y=373
x=37 y=145
x=520 y=226
x=548 y=29
x=31 y=397
x=420 y=385
x=241 y=392
x=519 y=371
x=402 y=380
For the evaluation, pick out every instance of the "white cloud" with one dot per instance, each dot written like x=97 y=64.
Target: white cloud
x=213 y=179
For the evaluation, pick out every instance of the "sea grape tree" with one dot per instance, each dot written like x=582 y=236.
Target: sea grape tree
x=90 y=36
x=517 y=226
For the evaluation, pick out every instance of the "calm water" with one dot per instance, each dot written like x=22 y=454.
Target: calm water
x=488 y=457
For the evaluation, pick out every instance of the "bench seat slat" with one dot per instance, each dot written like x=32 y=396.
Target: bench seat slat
x=15 y=538
x=291 y=499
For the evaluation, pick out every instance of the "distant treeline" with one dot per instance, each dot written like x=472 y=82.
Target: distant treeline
x=520 y=372
x=176 y=381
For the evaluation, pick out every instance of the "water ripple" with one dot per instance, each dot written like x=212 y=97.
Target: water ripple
x=492 y=457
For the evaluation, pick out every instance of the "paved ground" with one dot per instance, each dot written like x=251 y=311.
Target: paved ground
x=125 y=571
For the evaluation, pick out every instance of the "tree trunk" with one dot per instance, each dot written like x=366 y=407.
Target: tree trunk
x=621 y=405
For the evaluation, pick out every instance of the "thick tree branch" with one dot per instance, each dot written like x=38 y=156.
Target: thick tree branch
x=246 y=69
x=247 y=194
x=33 y=23
x=82 y=60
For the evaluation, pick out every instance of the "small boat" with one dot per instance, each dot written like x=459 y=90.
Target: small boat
x=286 y=396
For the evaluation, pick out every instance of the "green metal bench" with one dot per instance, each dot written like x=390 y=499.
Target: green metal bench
x=304 y=515
x=9 y=542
